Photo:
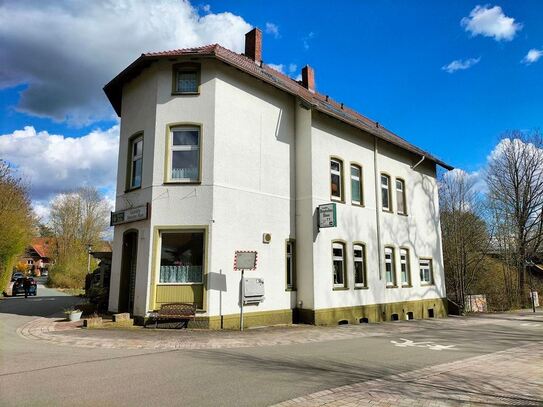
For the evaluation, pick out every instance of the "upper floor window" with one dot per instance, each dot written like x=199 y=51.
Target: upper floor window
x=186 y=78
x=400 y=196
x=336 y=182
x=338 y=261
x=426 y=272
x=359 y=256
x=136 y=162
x=390 y=272
x=404 y=267
x=291 y=274
x=356 y=185
x=184 y=154
x=386 y=200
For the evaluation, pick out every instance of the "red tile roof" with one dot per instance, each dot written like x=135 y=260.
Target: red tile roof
x=315 y=100
x=44 y=246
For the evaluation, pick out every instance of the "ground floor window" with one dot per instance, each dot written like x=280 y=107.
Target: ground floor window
x=425 y=267
x=389 y=267
x=181 y=257
x=404 y=267
x=291 y=265
x=338 y=261
x=359 y=256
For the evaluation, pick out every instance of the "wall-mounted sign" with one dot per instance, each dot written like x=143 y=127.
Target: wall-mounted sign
x=129 y=215
x=327 y=215
x=245 y=260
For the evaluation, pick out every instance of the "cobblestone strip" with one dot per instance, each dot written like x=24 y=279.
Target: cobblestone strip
x=510 y=377
x=68 y=334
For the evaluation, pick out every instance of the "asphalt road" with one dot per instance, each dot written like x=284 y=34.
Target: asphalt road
x=259 y=376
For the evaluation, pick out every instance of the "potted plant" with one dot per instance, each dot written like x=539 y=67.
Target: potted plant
x=73 y=314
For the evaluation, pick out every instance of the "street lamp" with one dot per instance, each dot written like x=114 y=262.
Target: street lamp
x=89 y=249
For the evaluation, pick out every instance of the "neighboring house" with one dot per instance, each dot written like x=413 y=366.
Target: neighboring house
x=219 y=153
x=39 y=255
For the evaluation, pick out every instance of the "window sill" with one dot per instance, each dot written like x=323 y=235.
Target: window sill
x=403 y=214
x=131 y=189
x=337 y=200
x=340 y=288
x=179 y=284
x=427 y=284
x=391 y=286
x=360 y=205
x=362 y=288
x=182 y=182
x=291 y=289
x=407 y=286
x=185 y=93
x=388 y=211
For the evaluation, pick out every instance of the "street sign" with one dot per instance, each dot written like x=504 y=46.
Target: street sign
x=327 y=215
x=129 y=215
x=245 y=260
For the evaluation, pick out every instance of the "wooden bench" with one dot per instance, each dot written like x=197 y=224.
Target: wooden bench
x=182 y=311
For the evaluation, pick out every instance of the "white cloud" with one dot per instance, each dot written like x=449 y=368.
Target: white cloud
x=67 y=50
x=292 y=68
x=307 y=39
x=277 y=67
x=532 y=56
x=491 y=22
x=298 y=77
x=54 y=163
x=459 y=64
x=273 y=29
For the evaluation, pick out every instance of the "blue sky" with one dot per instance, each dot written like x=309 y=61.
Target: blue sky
x=386 y=59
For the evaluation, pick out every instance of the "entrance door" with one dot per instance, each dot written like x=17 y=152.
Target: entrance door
x=128 y=271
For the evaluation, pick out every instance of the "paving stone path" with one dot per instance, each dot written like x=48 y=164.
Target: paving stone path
x=510 y=377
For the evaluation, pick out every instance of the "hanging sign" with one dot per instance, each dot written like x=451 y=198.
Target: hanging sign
x=129 y=215
x=327 y=215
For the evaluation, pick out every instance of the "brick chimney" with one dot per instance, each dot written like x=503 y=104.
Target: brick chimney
x=308 y=78
x=253 y=45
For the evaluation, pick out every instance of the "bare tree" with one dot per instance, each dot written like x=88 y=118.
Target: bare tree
x=465 y=235
x=77 y=220
x=515 y=182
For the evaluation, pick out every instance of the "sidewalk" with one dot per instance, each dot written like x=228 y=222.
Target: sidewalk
x=510 y=377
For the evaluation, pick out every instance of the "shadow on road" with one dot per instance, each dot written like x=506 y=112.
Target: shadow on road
x=45 y=306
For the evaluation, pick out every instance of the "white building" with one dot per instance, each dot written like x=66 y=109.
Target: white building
x=219 y=153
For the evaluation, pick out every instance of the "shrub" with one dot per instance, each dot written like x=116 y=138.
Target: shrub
x=67 y=275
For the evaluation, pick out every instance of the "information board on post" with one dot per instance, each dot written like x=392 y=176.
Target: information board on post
x=327 y=215
x=243 y=260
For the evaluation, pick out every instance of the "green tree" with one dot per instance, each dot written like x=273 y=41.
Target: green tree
x=16 y=221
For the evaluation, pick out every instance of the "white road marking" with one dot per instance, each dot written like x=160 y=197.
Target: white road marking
x=427 y=344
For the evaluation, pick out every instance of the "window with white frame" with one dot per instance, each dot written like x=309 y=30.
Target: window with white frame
x=136 y=162
x=356 y=185
x=400 y=197
x=404 y=267
x=390 y=273
x=291 y=265
x=336 y=182
x=426 y=272
x=338 y=261
x=359 y=257
x=181 y=257
x=185 y=154
x=385 y=193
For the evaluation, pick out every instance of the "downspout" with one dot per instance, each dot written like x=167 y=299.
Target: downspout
x=377 y=209
x=420 y=162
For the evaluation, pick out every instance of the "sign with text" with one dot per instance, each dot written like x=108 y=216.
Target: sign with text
x=245 y=260
x=129 y=215
x=327 y=215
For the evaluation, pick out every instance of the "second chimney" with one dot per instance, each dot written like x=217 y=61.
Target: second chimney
x=253 y=45
x=308 y=78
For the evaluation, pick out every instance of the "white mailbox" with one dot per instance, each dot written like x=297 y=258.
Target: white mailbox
x=253 y=290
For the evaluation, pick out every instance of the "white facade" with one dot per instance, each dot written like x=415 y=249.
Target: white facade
x=265 y=168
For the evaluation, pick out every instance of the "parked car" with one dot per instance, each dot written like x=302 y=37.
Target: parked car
x=17 y=275
x=19 y=287
x=44 y=272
